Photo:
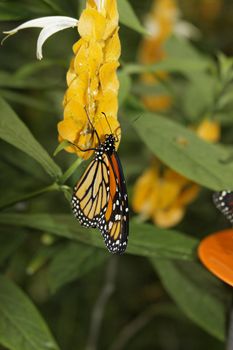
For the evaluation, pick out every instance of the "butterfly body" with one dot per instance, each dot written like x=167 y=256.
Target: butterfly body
x=100 y=197
x=224 y=202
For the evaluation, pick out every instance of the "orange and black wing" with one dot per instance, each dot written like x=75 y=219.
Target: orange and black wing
x=100 y=200
x=115 y=224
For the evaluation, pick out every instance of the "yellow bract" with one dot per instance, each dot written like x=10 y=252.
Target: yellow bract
x=161 y=194
x=92 y=80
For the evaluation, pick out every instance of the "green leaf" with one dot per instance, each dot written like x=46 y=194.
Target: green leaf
x=182 y=150
x=129 y=18
x=15 y=10
x=203 y=298
x=21 y=326
x=15 y=132
x=184 y=66
x=125 y=86
x=61 y=146
x=72 y=262
x=9 y=242
x=200 y=89
x=144 y=239
x=26 y=100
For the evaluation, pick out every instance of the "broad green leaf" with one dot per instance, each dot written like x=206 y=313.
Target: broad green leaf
x=144 y=239
x=125 y=86
x=128 y=17
x=19 y=161
x=72 y=262
x=203 y=298
x=183 y=150
x=15 y=132
x=14 y=10
x=177 y=47
x=10 y=240
x=26 y=100
x=21 y=326
x=200 y=89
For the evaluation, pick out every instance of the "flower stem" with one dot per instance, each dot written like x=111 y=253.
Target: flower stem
x=70 y=171
x=17 y=199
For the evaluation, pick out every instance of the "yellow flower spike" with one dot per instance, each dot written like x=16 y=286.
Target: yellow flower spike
x=112 y=49
x=91 y=25
x=92 y=80
x=108 y=77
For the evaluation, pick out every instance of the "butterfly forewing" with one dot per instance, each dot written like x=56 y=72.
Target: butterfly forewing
x=224 y=202
x=90 y=197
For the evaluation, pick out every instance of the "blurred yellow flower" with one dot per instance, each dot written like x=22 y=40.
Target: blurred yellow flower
x=160 y=24
x=209 y=130
x=161 y=194
x=92 y=80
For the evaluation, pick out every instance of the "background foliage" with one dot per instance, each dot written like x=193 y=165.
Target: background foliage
x=56 y=277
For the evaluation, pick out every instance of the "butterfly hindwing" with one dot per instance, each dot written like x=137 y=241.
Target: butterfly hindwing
x=116 y=227
x=224 y=202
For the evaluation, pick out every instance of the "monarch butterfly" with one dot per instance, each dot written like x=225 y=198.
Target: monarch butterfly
x=100 y=197
x=224 y=202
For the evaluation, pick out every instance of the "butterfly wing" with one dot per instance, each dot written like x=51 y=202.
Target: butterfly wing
x=115 y=223
x=91 y=194
x=224 y=202
x=100 y=200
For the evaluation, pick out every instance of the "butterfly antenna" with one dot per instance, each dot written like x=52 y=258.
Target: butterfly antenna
x=90 y=122
x=80 y=149
x=107 y=122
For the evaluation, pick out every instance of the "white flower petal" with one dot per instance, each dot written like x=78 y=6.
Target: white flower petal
x=186 y=30
x=46 y=33
x=43 y=22
x=100 y=4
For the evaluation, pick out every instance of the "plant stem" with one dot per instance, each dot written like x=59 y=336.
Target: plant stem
x=70 y=171
x=50 y=188
x=99 y=308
